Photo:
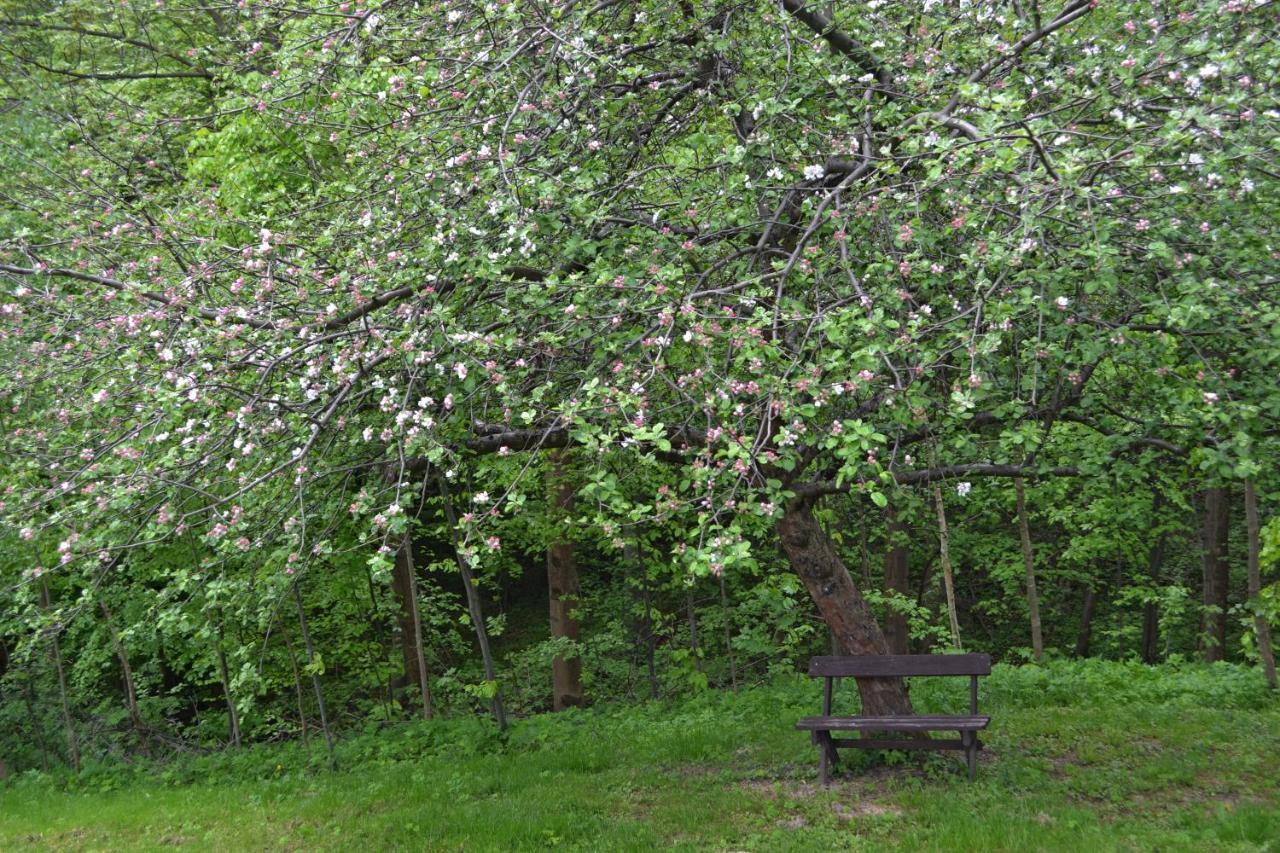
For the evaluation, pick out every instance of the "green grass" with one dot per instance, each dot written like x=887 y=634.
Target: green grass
x=1080 y=756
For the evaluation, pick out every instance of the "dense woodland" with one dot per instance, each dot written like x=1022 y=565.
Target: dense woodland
x=375 y=360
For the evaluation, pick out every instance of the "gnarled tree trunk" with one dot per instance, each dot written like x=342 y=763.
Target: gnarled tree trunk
x=813 y=556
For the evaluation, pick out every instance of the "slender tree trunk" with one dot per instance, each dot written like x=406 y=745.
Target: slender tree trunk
x=1086 y=623
x=562 y=587
x=232 y=717
x=814 y=558
x=315 y=676
x=944 y=554
x=379 y=625
x=130 y=692
x=1213 y=626
x=1029 y=565
x=474 y=608
x=404 y=589
x=406 y=564
x=73 y=742
x=896 y=581
x=1151 y=611
x=297 y=689
x=1260 y=626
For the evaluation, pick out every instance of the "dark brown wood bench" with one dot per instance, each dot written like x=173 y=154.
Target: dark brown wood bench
x=871 y=728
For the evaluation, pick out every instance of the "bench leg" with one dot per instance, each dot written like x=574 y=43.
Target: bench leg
x=971 y=753
x=827 y=756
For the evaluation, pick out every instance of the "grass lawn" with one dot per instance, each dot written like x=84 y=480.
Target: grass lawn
x=1080 y=756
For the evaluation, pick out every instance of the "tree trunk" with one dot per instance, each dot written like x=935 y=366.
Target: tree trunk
x=130 y=692
x=315 y=676
x=232 y=718
x=73 y=742
x=405 y=566
x=1151 y=611
x=1029 y=565
x=297 y=690
x=473 y=608
x=896 y=581
x=1213 y=625
x=814 y=558
x=1260 y=626
x=402 y=586
x=562 y=589
x=944 y=554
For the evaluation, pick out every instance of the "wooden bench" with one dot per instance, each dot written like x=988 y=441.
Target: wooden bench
x=888 y=666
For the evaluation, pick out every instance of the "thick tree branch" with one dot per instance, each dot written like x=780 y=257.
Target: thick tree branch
x=839 y=40
x=809 y=491
x=1072 y=11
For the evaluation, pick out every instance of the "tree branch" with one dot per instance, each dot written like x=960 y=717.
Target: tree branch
x=839 y=40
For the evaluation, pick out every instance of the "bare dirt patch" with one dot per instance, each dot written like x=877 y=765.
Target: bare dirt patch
x=864 y=809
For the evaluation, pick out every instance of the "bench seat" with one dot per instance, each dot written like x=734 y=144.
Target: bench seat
x=895 y=724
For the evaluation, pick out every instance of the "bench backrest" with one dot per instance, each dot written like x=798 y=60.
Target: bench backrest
x=872 y=666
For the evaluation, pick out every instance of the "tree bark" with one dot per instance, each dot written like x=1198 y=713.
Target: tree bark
x=896 y=581
x=474 y=609
x=402 y=586
x=1029 y=565
x=232 y=718
x=1260 y=626
x=73 y=742
x=297 y=690
x=814 y=558
x=1213 y=625
x=562 y=589
x=406 y=566
x=944 y=554
x=315 y=676
x=130 y=692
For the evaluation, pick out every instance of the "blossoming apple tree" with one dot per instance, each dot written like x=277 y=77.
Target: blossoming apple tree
x=278 y=275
